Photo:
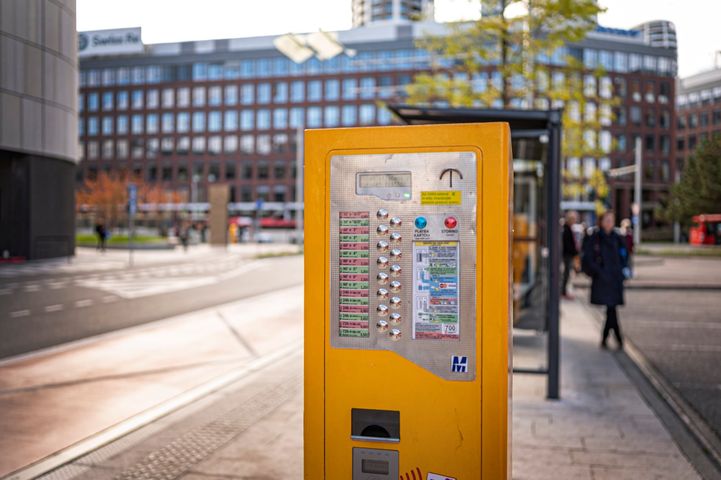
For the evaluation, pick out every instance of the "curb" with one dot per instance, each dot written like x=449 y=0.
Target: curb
x=694 y=438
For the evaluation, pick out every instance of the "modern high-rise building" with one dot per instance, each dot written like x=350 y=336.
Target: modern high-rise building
x=185 y=115
x=366 y=12
x=659 y=33
x=38 y=121
x=698 y=107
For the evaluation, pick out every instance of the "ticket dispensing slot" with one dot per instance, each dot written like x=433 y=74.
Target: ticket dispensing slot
x=375 y=425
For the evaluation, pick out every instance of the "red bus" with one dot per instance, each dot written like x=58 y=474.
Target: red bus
x=706 y=230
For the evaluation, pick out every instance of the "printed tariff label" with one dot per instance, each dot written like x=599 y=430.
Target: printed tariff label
x=441 y=197
x=353 y=300
x=355 y=254
x=354 y=268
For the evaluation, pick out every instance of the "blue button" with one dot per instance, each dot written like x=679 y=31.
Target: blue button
x=421 y=222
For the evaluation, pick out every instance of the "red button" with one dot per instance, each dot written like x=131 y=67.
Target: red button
x=451 y=222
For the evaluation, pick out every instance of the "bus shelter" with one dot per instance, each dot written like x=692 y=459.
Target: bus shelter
x=536 y=144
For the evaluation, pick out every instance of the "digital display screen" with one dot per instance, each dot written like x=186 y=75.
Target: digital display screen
x=384 y=180
x=379 y=467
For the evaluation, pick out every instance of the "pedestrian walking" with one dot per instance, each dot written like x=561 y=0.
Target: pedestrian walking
x=102 y=233
x=604 y=260
x=570 y=251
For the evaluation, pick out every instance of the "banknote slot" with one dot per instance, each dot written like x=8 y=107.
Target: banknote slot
x=375 y=425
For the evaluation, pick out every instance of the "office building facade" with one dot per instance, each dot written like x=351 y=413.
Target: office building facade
x=38 y=136
x=185 y=115
x=366 y=12
x=699 y=112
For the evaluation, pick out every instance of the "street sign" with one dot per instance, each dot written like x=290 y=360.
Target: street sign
x=132 y=198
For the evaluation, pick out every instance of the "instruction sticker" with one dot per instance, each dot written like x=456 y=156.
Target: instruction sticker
x=441 y=197
x=435 y=290
x=353 y=275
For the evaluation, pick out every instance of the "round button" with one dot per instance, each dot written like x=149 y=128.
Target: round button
x=396 y=253
x=382 y=262
x=395 y=286
x=396 y=221
x=382 y=214
x=382 y=310
x=382 y=293
x=382 y=230
x=451 y=222
x=396 y=302
x=382 y=246
x=382 y=278
x=421 y=222
x=396 y=237
x=395 y=334
x=396 y=270
x=395 y=318
x=382 y=326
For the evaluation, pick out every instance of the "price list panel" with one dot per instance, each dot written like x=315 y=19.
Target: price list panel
x=353 y=275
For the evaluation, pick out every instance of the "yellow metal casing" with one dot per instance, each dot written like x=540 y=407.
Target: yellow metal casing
x=459 y=429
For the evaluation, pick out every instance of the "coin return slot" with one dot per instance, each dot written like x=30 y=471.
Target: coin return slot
x=375 y=425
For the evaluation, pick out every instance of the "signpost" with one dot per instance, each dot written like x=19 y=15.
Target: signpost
x=132 y=210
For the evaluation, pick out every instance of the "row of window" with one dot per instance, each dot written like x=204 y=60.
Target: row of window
x=702 y=119
x=247 y=94
x=363 y=61
x=233 y=120
x=578 y=168
x=705 y=96
x=691 y=141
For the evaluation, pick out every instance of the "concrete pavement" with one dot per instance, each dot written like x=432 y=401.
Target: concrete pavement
x=252 y=429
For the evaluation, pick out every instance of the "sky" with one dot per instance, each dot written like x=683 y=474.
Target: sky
x=697 y=24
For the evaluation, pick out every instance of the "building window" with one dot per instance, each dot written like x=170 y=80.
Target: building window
x=121 y=149
x=93 y=102
x=349 y=115
x=367 y=114
x=384 y=116
x=183 y=122
x=121 y=100
x=280 y=143
x=332 y=116
x=621 y=143
x=230 y=121
x=247 y=144
x=264 y=93
x=137 y=124
x=183 y=97
x=122 y=124
x=183 y=146
x=92 y=150
x=590 y=58
x=297 y=91
x=215 y=146
x=650 y=143
x=152 y=147
x=263 y=170
x=247 y=94
x=215 y=97
x=230 y=169
x=280 y=118
x=153 y=99
x=199 y=96
x=92 y=126
x=230 y=144
x=279 y=170
x=349 y=89
x=247 y=171
x=167 y=120
x=262 y=144
x=367 y=87
x=137 y=100
x=247 y=120
x=332 y=89
x=281 y=92
x=107 y=125
x=168 y=98
x=214 y=121
x=263 y=119
x=152 y=124
x=199 y=145
x=166 y=146
x=315 y=91
x=636 y=115
x=107 y=101
x=198 y=122
x=296 y=117
x=108 y=149
x=231 y=95
x=314 y=117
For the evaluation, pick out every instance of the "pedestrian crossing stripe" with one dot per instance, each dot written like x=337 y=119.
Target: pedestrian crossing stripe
x=459 y=364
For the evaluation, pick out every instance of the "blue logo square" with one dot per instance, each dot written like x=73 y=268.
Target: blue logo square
x=459 y=364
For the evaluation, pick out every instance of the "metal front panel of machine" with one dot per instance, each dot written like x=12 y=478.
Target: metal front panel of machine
x=403 y=257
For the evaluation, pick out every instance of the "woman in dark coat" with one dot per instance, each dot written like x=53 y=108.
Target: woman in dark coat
x=605 y=261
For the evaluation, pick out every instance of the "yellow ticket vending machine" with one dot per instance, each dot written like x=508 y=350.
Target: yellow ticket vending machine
x=407 y=234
